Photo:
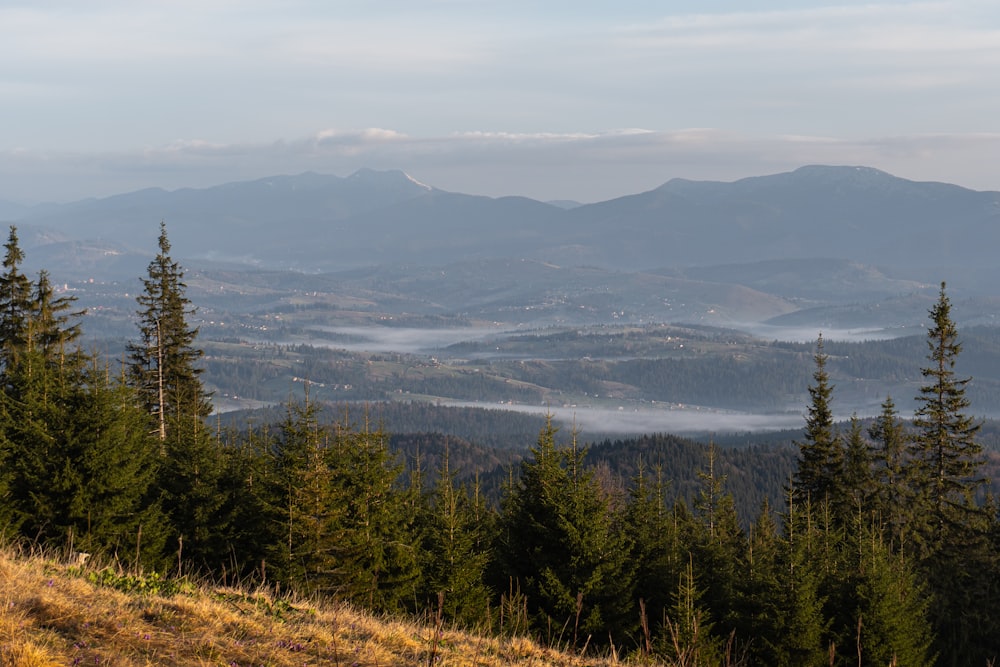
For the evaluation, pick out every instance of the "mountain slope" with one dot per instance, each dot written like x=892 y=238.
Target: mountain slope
x=230 y=219
x=840 y=212
x=314 y=222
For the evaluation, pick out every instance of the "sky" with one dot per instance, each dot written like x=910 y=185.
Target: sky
x=553 y=100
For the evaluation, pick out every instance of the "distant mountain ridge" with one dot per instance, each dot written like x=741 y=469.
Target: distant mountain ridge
x=315 y=222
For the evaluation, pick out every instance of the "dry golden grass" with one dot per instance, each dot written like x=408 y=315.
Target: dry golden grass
x=52 y=614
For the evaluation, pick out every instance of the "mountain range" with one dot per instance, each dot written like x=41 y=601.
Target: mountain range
x=316 y=222
x=784 y=245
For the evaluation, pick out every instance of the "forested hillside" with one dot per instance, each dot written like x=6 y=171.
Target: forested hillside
x=882 y=548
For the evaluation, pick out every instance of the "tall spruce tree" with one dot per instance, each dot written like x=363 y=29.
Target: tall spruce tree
x=718 y=545
x=886 y=603
x=891 y=501
x=760 y=592
x=821 y=452
x=656 y=551
x=15 y=303
x=455 y=548
x=106 y=432
x=306 y=508
x=947 y=459
x=562 y=544
x=41 y=381
x=164 y=372
x=43 y=479
x=54 y=326
x=950 y=528
x=377 y=549
x=163 y=365
x=802 y=625
x=249 y=526
x=688 y=637
x=858 y=481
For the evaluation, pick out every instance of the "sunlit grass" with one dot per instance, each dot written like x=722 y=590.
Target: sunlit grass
x=55 y=613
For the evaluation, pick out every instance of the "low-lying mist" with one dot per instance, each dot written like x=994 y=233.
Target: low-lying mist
x=405 y=340
x=809 y=334
x=412 y=340
x=639 y=420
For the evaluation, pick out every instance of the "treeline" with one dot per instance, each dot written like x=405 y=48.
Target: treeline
x=754 y=475
x=878 y=554
x=487 y=443
x=488 y=428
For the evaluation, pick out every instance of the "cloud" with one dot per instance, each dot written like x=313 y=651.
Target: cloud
x=110 y=76
x=491 y=97
x=917 y=28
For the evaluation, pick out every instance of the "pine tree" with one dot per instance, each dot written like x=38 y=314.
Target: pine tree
x=759 y=592
x=15 y=306
x=118 y=465
x=946 y=458
x=802 y=626
x=889 y=607
x=40 y=368
x=655 y=550
x=718 y=545
x=378 y=547
x=43 y=480
x=15 y=303
x=891 y=500
x=598 y=545
x=821 y=455
x=309 y=507
x=688 y=637
x=40 y=385
x=455 y=551
x=858 y=481
x=163 y=370
x=54 y=329
x=249 y=526
x=561 y=543
x=163 y=362
x=950 y=528
x=710 y=493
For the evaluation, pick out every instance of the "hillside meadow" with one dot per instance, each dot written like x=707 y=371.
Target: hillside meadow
x=56 y=612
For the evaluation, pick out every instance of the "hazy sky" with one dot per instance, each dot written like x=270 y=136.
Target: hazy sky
x=554 y=100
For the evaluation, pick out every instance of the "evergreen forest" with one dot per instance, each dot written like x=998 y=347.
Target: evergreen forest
x=883 y=547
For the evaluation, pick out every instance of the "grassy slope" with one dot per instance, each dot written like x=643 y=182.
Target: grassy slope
x=52 y=614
